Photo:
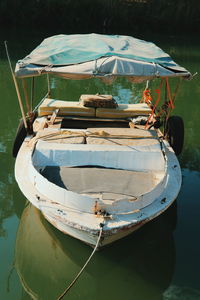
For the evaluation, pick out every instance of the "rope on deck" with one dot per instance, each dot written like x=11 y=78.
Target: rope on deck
x=83 y=268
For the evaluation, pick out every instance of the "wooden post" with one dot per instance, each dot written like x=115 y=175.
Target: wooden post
x=17 y=89
x=26 y=96
x=32 y=92
x=49 y=87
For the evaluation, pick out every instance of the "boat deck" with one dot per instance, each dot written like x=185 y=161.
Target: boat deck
x=110 y=158
x=100 y=136
x=113 y=184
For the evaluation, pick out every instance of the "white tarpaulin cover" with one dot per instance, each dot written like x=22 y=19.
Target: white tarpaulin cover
x=87 y=55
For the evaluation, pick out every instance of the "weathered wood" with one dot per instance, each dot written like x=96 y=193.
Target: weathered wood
x=53 y=117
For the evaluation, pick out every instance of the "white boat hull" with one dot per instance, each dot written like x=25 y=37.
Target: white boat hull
x=85 y=226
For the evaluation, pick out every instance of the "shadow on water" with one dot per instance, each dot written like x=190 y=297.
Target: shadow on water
x=139 y=266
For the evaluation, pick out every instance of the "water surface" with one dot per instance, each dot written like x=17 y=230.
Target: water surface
x=160 y=261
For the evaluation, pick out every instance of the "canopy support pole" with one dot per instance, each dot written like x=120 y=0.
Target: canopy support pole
x=49 y=87
x=17 y=89
x=32 y=92
x=26 y=96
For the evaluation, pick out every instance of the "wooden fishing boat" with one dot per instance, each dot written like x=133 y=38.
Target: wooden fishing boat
x=96 y=169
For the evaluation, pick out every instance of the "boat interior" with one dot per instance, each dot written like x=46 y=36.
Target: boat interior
x=97 y=150
x=122 y=123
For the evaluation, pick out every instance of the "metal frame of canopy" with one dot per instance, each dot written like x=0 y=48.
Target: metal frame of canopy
x=104 y=67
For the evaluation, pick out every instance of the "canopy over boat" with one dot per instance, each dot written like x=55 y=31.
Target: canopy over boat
x=83 y=56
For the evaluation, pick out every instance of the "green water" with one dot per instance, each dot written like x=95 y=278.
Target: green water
x=160 y=261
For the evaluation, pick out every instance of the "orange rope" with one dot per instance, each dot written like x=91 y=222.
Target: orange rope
x=168 y=105
x=171 y=104
x=146 y=97
x=158 y=91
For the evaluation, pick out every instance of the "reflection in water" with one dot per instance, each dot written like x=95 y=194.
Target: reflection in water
x=190 y=158
x=140 y=266
x=121 y=89
x=181 y=293
x=6 y=188
x=8 y=191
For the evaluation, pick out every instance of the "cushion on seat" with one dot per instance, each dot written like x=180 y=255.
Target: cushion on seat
x=124 y=111
x=106 y=101
x=68 y=108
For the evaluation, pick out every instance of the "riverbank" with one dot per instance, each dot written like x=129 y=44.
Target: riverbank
x=106 y=16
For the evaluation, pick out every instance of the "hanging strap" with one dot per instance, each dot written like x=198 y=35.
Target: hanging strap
x=171 y=104
x=146 y=97
x=158 y=91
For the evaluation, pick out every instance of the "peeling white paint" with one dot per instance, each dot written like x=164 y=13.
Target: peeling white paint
x=73 y=213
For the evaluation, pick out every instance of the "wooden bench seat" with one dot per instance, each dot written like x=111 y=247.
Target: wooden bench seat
x=74 y=108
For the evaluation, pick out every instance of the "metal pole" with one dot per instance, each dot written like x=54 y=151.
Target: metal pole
x=32 y=92
x=49 y=87
x=26 y=96
x=17 y=88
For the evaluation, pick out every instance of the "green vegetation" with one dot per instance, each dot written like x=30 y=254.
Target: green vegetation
x=102 y=15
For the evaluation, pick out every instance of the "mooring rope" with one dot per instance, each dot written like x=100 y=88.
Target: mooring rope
x=83 y=268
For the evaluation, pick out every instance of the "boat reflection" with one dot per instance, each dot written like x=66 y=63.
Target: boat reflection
x=137 y=267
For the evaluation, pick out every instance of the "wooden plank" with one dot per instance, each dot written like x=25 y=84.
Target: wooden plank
x=53 y=117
